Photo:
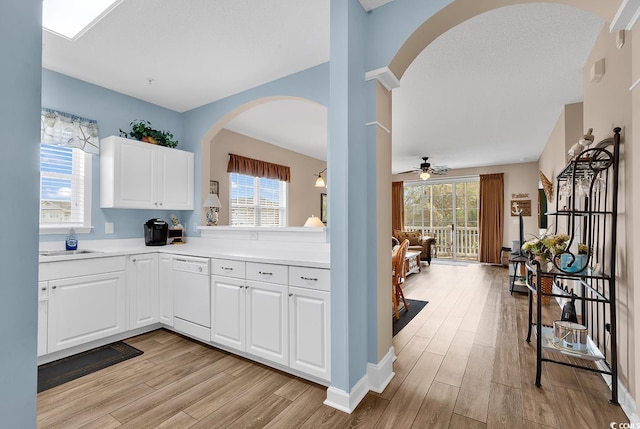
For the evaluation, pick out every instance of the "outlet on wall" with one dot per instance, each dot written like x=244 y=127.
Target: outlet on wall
x=108 y=227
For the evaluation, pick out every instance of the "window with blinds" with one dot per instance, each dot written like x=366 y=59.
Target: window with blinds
x=64 y=198
x=257 y=201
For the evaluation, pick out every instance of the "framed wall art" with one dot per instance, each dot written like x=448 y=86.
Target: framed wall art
x=214 y=187
x=323 y=208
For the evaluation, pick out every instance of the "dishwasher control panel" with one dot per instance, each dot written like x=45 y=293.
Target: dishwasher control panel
x=191 y=264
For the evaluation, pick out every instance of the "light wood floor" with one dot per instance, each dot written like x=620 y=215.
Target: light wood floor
x=462 y=363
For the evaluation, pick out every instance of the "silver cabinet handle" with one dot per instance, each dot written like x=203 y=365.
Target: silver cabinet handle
x=290 y=294
x=227 y=268
x=200 y=269
x=311 y=279
x=133 y=260
x=246 y=287
x=264 y=273
x=53 y=287
x=44 y=288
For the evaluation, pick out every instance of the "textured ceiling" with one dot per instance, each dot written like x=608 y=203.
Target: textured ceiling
x=490 y=90
x=195 y=51
x=486 y=92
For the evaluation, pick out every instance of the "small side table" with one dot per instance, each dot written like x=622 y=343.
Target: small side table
x=412 y=262
x=516 y=259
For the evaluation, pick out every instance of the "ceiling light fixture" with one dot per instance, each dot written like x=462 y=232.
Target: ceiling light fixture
x=425 y=175
x=320 y=183
x=72 y=18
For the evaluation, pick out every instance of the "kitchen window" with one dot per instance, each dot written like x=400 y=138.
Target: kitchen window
x=65 y=195
x=257 y=201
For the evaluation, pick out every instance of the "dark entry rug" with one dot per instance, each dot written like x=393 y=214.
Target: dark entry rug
x=58 y=372
x=415 y=307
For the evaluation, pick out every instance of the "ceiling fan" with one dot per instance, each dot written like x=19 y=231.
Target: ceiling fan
x=426 y=169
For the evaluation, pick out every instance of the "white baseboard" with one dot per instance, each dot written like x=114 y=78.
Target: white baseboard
x=627 y=403
x=347 y=402
x=376 y=379
x=380 y=374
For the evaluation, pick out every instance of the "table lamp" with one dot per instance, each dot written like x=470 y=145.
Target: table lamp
x=212 y=202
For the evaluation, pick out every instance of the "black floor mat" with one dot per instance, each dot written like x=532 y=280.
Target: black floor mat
x=55 y=373
x=415 y=307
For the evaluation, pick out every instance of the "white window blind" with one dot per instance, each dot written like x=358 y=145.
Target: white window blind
x=257 y=201
x=63 y=195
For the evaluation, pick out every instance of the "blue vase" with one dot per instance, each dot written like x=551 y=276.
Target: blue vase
x=578 y=264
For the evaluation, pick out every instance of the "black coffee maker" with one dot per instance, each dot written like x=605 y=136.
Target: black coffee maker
x=155 y=232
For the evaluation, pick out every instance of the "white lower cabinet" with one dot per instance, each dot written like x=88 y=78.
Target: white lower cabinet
x=228 y=311
x=85 y=308
x=142 y=288
x=267 y=312
x=165 y=286
x=309 y=331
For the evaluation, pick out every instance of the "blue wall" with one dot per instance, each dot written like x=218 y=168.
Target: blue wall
x=369 y=41
x=113 y=111
x=20 y=54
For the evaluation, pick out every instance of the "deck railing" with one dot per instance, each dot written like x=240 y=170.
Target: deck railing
x=466 y=240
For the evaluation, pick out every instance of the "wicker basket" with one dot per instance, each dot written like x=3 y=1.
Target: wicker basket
x=545 y=287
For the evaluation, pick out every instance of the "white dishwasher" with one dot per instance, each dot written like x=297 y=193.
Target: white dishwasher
x=191 y=296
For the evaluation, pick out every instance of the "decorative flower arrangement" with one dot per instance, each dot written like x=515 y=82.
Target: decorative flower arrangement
x=547 y=246
x=583 y=249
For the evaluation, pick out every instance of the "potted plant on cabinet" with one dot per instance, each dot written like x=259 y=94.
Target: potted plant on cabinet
x=141 y=130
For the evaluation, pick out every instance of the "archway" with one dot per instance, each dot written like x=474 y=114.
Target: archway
x=439 y=23
x=217 y=127
x=462 y=10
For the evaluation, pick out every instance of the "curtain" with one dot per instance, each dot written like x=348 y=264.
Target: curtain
x=66 y=130
x=491 y=217
x=397 y=206
x=257 y=168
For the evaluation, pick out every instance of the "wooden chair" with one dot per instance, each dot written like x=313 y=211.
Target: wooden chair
x=398 y=274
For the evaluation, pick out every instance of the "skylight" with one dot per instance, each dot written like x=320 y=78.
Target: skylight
x=71 y=18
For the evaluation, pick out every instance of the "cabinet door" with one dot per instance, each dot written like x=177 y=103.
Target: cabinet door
x=42 y=317
x=309 y=330
x=135 y=175
x=267 y=321
x=86 y=308
x=165 y=285
x=142 y=285
x=228 y=311
x=175 y=181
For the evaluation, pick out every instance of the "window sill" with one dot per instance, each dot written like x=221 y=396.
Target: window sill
x=55 y=229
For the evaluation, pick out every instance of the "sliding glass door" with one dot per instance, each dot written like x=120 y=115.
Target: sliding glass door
x=448 y=211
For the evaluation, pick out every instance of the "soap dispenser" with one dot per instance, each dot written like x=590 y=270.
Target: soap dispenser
x=71 y=243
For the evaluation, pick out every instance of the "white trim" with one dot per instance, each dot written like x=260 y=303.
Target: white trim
x=385 y=76
x=347 y=402
x=634 y=84
x=378 y=124
x=626 y=17
x=627 y=403
x=380 y=374
x=376 y=379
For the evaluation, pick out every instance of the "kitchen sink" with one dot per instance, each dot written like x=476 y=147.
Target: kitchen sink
x=66 y=252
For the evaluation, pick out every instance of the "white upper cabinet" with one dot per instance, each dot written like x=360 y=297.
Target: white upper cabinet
x=138 y=175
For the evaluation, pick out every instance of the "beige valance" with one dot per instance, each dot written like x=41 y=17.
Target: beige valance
x=256 y=168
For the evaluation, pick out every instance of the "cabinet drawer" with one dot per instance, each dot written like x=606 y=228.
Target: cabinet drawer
x=228 y=268
x=311 y=278
x=270 y=273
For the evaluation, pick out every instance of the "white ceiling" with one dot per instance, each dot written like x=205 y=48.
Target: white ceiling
x=487 y=92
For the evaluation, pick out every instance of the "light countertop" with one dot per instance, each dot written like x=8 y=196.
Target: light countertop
x=274 y=253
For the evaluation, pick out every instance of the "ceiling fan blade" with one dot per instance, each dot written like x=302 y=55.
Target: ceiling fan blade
x=439 y=169
x=408 y=171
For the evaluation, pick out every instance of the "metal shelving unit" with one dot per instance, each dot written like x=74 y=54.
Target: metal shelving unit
x=588 y=186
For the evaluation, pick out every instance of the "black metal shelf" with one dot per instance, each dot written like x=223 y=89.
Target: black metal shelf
x=588 y=216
